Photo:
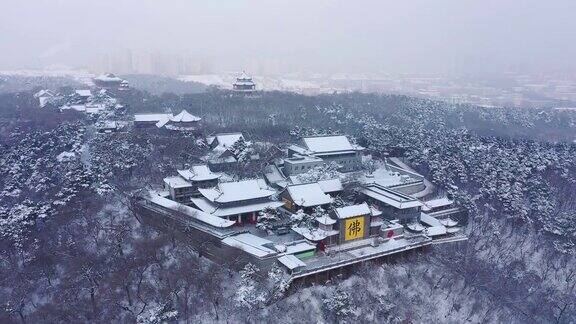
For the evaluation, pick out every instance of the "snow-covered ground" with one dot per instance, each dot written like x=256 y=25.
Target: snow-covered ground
x=266 y=83
x=81 y=76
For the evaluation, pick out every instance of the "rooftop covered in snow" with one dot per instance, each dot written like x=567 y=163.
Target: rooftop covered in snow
x=224 y=140
x=252 y=244
x=238 y=191
x=352 y=211
x=198 y=173
x=437 y=203
x=291 y=262
x=84 y=93
x=225 y=211
x=154 y=117
x=390 y=197
x=189 y=211
x=108 y=78
x=177 y=182
x=330 y=144
x=308 y=194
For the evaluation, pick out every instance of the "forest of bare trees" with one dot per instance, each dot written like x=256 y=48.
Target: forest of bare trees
x=72 y=251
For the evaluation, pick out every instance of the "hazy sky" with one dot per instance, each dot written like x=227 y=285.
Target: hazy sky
x=315 y=35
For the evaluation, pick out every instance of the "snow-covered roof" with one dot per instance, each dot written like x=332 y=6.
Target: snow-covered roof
x=329 y=144
x=108 y=124
x=244 y=83
x=390 y=197
x=351 y=211
x=436 y=203
x=300 y=158
x=44 y=100
x=298 y=149
x=198 y=173
x=223 y=211
x=244 y=77
x=291 y=262
x=375 y=211
x=330 y=185
x=184 y=116
x=251 y=244
x=298 y=247
x=84 y=93
x=314 y=234
x=416 y=227
x=435 y=230
x=238 y=191
x=273 y=174
x=43 y=93
x=326 y=220
x=74 y=107
x=177 y=182
x=448 y=222
x=309 y=194
x=108 y=78
x=163 y=121
x=225 y=140
x=66 y=156
x=150 y=117
x=187 y=210
x=94 y=108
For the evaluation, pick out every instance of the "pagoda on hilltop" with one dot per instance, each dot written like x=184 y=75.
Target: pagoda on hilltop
x=244 y=84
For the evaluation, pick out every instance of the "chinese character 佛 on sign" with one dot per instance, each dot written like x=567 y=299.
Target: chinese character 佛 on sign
x=354 y=228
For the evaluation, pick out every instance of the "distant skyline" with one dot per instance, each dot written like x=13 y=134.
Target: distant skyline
x=418 y=36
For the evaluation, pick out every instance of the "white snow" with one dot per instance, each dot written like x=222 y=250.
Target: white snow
x=326 y=220
x=309 y=194
x=198 y=173
x=108 y=78
x=448 y=222
x=435 y=230
x=224 y=211
x=390 y=197
x=238 y=191
x=177 y=182
x=192 y=212
x=326 y=144
x=185 y=116
x=354 y=210
x=314 y=234
x=84 y=93
x=225 y=140
x=150 y=117
x=299 y=247
x=436 y=203
x=66 y=156
x=252 y=244
x=331 y=185
x=291 y=262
